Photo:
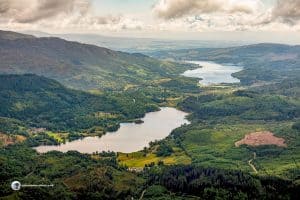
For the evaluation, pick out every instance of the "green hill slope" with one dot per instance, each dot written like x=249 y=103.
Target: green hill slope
x=261 y=62
x=42 y=102
x=79 y=65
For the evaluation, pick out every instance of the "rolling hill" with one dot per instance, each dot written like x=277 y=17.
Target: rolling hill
x=79 y=65
x=42 y=102
x=262 y=62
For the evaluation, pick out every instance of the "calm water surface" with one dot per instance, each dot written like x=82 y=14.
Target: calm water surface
x=213 y=73
x=130 y=137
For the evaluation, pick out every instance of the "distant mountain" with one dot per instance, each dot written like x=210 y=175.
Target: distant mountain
x=261 y=62
x=9 y=35
x=141 y=45
x=79 y=65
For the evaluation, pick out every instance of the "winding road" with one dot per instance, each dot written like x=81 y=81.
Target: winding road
x=142 y=196
x=250 y=162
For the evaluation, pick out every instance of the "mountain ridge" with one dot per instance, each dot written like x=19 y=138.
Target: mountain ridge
x=10 y=35
x=81 y=66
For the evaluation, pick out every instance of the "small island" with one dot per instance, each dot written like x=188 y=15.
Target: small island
x=138 y=121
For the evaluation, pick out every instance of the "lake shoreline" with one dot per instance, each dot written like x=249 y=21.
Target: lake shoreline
x=173 y=118
x=212 y=73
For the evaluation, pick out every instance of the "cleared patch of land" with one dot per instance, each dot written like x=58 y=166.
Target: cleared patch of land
x=261 y=138
x=7 y=140
x=140 y=159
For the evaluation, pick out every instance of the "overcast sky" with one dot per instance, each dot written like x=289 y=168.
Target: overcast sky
x=184 y=19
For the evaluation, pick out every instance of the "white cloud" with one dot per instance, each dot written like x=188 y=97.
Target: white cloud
x=169 y=15
x=287 y=10
x=228 y=15
x=29 y=11
x=68 y=15
x=285 y=14
x=168 y=9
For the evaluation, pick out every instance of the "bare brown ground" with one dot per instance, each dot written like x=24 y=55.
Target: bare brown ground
x=261 y=138
x=7 y=140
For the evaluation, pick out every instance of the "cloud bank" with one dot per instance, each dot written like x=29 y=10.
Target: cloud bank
x=228 y=15
x=168 y=9
x=165 y=15
x=59 y=14
x=28 y=11
x=287 y=10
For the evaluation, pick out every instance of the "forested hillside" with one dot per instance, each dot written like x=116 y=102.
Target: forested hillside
x=261 y=62
x=79 y=65
x=41 y=102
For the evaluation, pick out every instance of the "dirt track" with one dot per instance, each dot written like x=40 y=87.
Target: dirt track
x=250 y=163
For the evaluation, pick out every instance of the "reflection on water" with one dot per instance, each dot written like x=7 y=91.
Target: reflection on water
x=130 y=137
x=213 y=73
